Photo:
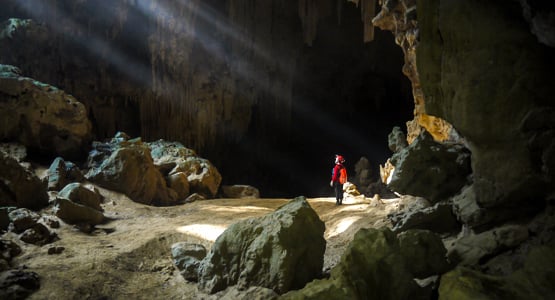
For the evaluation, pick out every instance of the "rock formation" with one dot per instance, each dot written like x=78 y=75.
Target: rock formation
x=502 y=84
x=280 y=251
x=19 y=186
x=40 y=116
x=400 y=17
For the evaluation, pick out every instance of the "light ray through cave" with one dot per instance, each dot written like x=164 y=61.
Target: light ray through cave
x=98 y=46
x=210 y=29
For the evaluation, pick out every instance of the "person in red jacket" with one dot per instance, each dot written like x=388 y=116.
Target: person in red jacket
x=338 y=178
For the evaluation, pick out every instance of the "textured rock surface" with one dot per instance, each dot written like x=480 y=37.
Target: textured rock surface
x=127 y=166
x=187 y=257
x=19 y=186
x=438 y=218
x=81 y=194
x=399 y=17
x=240 y=191
x=40 y=116
x=492 y=81
x=424 y=253
x=371 y=268
x=74 y=213
x=435 y=171
x=532 y=281
x=61 y=173
x=281 y=251
x=177 y=162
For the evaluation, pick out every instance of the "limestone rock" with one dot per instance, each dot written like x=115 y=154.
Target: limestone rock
x=471 y=248
x=532 y=281
x=41 y=116
x=438 y=218
x=514 y=77
x=22 y=219
x=78 y=193
x=240 y=191
x=203 y=177
x=424 y=253
x=400 y=17
x=61 y=172
x=363 y=173
x=195 y=197
x=21 y=187
x=371 y=268
x=396 y=140
x=127 y=167
x=38 y=234
x=253 y=292
x=8 y=250
x=74 y=213
x=429 y=169
x=281 y=251
x=179 y=183
x=167 y=154
x=18 y=284
x=14 y=150
x=187 y=258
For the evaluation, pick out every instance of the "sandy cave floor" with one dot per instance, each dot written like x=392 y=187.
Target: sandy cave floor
x=129 y=257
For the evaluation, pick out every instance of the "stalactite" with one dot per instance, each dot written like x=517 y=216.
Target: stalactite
x=308 y=11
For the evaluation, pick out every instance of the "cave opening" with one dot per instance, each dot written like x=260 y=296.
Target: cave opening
x=347 y=96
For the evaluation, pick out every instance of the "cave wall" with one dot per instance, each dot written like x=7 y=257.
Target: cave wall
x=484 y=71
x=182 y=71
x=222 y=77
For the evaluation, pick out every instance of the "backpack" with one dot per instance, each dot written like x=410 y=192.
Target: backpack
x=342 y=175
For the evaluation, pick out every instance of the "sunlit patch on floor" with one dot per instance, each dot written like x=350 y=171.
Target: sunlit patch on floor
x=203 y=231
x=341 y=226
x=238 y=209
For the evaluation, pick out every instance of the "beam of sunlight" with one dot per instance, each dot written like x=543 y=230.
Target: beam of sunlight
x=97 y=45
x=204 y=231
x=341 y=226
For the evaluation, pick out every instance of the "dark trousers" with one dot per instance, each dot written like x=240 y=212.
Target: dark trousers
x=338 y=187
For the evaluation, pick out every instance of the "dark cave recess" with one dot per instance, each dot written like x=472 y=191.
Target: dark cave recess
x=347 y=96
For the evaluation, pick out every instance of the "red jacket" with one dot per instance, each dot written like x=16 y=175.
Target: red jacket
x=335 y=172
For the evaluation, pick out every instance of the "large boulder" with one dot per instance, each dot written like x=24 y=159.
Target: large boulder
x=74 y=213
x=41 y=116
x=175 y=160
x=424 y=252
x=203 y=177
x=125 y=165
x=471 y=248
x=435 y=171
x=61 y=172
x=281 y=251
x=81 y=194
x=372 y=267
x=533 y=280
x=19 y=186
x=437 y=218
